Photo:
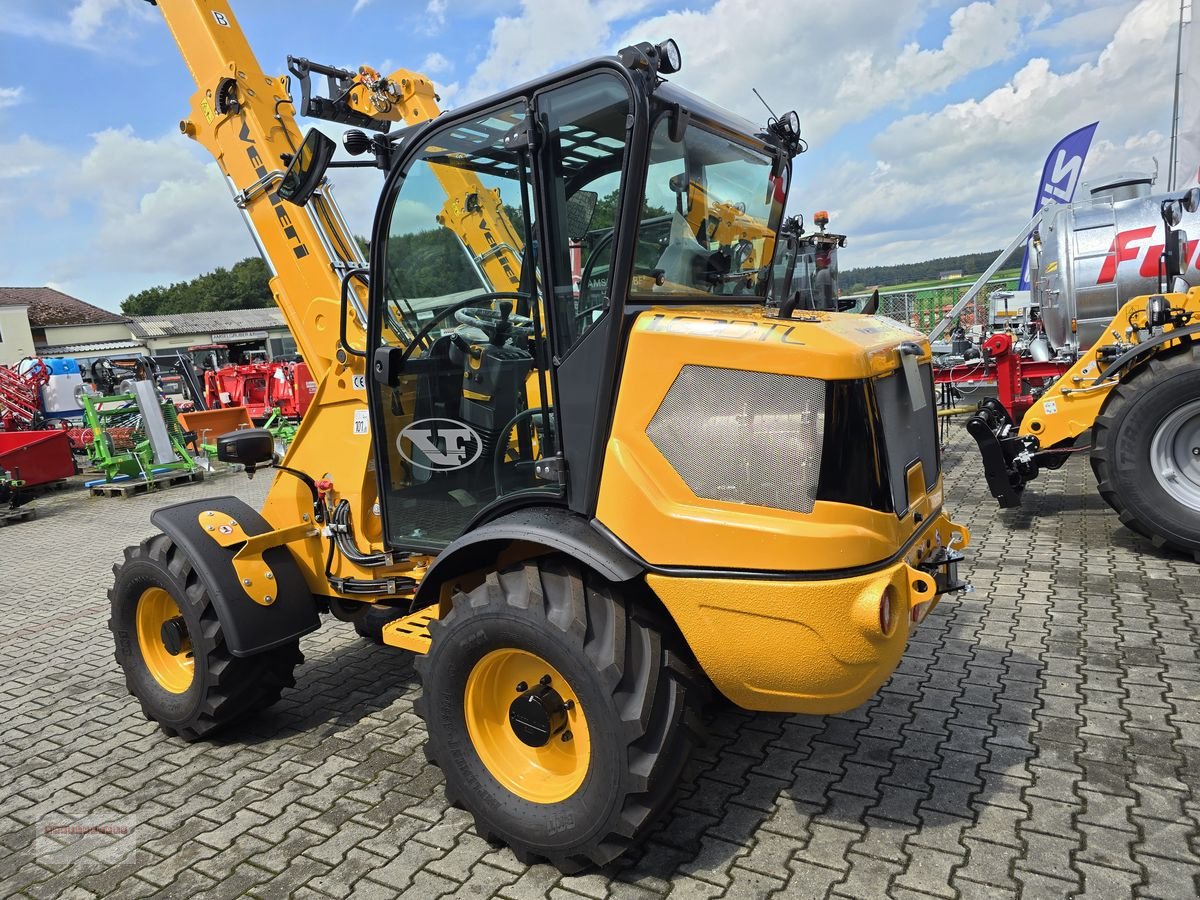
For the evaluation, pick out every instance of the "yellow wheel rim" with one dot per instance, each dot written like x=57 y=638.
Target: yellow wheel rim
x=546 y=774
x=173 y=671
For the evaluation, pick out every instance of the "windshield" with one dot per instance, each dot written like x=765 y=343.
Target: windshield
x=711 y=210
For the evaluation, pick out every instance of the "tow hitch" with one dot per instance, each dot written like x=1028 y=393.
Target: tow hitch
x=942 y=566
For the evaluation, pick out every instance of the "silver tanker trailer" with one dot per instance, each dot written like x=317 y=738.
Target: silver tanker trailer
x=1092 y=256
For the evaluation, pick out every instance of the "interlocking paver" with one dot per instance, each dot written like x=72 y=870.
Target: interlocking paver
x=1040 y=738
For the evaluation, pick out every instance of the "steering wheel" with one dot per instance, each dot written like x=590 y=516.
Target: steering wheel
x=498 y=325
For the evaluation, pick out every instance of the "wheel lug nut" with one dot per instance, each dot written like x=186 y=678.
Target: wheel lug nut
x=566 y=736
x=522 y=687
x=569 y=705
x=545 y=681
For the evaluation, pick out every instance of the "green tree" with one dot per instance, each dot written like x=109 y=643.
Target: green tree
x=244 y=286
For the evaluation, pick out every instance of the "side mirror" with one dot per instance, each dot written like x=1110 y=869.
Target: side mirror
x=1172 y=213
x=307 y=168
x=1174 y=255
x=580 y=210
x=1191 y=200
x=252 y=447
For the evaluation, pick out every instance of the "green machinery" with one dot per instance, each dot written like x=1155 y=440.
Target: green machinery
x=10 y=490
x=136 y=435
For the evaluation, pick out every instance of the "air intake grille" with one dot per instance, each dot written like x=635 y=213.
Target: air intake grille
x=744 y=437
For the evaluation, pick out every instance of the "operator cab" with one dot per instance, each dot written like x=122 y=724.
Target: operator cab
x=516 y=240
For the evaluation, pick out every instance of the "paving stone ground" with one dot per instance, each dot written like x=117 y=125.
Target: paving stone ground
x=1040 y=739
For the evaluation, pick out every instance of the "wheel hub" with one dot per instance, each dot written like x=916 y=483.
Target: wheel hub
x=1174 y=455
x=538 y=714
x=164 y=641
x=174 y=634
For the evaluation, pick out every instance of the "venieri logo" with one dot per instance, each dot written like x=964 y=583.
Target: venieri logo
x=440 y=445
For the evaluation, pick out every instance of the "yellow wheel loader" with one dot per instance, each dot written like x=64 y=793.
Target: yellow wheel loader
x=1135 y=389
x=563 y=447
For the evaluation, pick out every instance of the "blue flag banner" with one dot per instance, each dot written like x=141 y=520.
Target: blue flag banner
x=1060 y=177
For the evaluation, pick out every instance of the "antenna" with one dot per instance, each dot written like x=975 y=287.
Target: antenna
x=1173 y=163
x=764 y=102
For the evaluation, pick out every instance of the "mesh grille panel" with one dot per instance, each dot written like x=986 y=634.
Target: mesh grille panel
x=744 y=437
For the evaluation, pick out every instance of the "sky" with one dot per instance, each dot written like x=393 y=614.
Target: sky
x=927 y=121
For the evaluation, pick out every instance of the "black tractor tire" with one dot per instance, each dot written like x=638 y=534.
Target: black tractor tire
x=223 y=687
x=635 y=687
x=1122 y=438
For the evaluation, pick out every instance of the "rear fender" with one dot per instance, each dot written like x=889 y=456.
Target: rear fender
x=249 y=627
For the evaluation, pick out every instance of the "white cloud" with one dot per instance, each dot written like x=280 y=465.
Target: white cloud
x=962 y=178
x=433 y=64
x=1088 y=26
x=88 y=17
x=435 y=16
x=359 y=5
x=847 y=63
x=10 y=96
x=545 y=34
x=106 y=27
x=154 y=207
x=28 y=171
x=980 y=34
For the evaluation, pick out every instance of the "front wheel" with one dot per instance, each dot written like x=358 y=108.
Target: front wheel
x=560 y=715
x=1146 y=452
x=171 y=646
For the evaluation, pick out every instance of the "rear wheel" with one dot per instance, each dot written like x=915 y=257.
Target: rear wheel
x=1146 y=452
x=170 y=645
x=561 y=715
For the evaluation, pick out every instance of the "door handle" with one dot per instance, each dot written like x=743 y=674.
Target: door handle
x=387 y=365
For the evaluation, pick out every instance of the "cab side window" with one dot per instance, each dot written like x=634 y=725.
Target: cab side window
x=585 y=124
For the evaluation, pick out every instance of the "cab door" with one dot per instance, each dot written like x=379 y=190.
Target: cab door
x=460 y=394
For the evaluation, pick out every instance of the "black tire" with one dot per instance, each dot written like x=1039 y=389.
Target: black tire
x=639 y=696
x=1122 y=437
x=223 y=687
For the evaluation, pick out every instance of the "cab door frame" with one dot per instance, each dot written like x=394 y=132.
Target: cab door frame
x=584 y=379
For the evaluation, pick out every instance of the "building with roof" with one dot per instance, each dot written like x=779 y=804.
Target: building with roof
x=249 y=328
x=36 y=321
x=42 y=321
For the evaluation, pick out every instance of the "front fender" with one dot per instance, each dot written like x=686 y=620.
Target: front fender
x=249 y=628
x=524 y=534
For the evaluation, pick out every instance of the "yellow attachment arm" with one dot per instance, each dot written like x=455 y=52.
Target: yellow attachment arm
x=404 y=96
x=1071 y=405
x=245 y=118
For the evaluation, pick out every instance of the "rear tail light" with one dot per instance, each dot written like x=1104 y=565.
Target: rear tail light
x=886 y=611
